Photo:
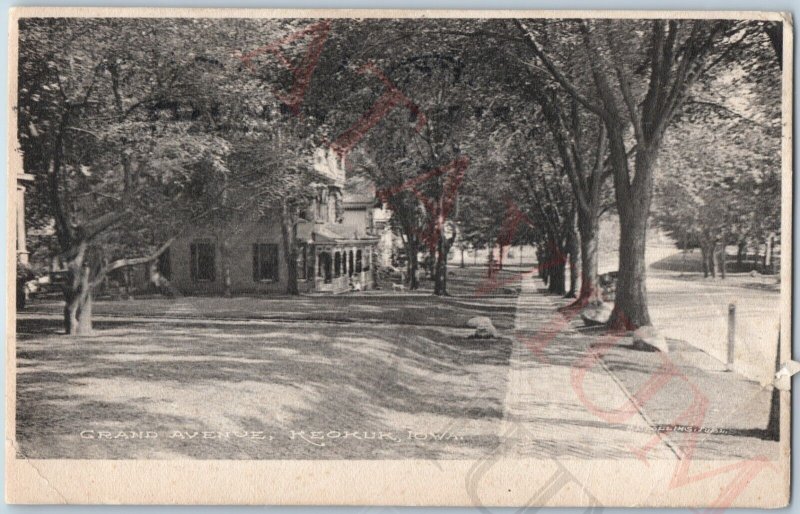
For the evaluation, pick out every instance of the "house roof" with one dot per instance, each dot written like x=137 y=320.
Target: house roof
x=359 y=191
x=332 y=233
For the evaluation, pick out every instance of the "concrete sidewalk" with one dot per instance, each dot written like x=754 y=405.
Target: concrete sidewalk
x=552 y=408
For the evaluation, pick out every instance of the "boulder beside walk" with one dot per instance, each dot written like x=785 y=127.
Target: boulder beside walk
x=648 y=339
x=596 y=313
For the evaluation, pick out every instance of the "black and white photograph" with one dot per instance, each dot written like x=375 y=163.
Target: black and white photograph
x=454 y=244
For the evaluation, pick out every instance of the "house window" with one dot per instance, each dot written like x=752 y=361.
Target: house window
x=337 y=264
x=350 y=264
x=359 y=262
x=163 y=265
x=311 y=258
x=203 y=255
x=265 y=262
x=325 y=266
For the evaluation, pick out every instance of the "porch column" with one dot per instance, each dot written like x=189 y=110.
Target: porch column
x=22 y=247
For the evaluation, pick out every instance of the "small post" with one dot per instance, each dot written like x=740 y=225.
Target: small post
x=731 y=334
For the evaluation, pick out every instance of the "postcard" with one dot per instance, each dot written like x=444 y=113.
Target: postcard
x=397 y=257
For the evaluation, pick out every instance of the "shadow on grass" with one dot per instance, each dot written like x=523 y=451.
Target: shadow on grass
x=398 y=308
x=343 y=377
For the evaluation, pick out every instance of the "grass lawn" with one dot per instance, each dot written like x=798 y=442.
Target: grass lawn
x=339 y=386
x=733 y=412
x=472 y=281
x=480 y=297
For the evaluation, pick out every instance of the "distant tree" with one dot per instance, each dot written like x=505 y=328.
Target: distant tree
x=641 y=73
x=580 y=140
x=719 y=184
x=420 y=88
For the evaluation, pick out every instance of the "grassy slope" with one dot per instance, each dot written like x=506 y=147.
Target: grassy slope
x=299 y=376
x=415 y=370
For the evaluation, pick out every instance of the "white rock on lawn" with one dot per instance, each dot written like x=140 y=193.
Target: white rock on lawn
x=649 y=339
x=484 y=329
x=597 y=313
x=478 y=321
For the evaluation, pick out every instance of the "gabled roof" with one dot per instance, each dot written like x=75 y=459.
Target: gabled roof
x=359 y=191
x=332 y=233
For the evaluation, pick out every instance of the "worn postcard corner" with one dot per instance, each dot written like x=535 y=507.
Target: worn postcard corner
x=453 y=258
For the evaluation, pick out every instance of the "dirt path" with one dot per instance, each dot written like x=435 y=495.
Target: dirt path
x=687 y=307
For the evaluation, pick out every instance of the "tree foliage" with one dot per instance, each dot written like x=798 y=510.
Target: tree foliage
x=488 y=132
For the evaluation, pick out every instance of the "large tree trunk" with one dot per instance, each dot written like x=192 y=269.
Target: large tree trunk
x=490 y=262
x=712 y=262
x=633 y=204
x=574 y=264
x=555 y=268
x=757 y=258
x=590 y=284
x=126 y=274
x=78 y=315
x=723 y=260
x=225 y=254
x=78 y=305
x=289 y=235
x=440 y=284
x=630 y=307
x=704 y=259
x=557 y=282
x=442 y=250
x=413 y=263
x=408 y=262
x=768 y=254
x=573 y=248
x=708 y=249
x=541 y=258
x=500 y=256
x=413 y=281
x=292 y=287
x=741 y=251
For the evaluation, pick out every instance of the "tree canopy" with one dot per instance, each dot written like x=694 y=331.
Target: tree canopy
x=138 y=128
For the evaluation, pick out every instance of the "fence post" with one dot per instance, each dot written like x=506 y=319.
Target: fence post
x=731 y=334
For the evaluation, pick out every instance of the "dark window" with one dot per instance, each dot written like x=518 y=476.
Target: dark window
x=163 y=265
x=350 y=264
x=203 y=255
x=359 y=263
x=325 y=266
x=265 y=262
x=310 y=264
x=337 y=264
